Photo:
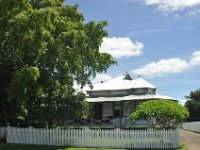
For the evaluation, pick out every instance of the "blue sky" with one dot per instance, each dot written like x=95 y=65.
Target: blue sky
x=157 y=39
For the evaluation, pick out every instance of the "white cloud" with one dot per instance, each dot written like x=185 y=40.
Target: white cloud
x=162 y=67
x=195 y=60
x=101 y=77
x=120 y=47
x=160 y=30
x=172 y=5
x=194 y=12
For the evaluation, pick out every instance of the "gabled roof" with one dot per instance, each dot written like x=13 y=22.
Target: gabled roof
x=141 y=83
x=121 y=83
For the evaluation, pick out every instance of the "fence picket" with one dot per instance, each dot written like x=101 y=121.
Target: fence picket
x=114 y=138
x=192 y=126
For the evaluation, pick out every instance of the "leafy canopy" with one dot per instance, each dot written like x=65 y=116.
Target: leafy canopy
x=166 y=113
x=193 y=105
x=45 y=46
x=194 y=95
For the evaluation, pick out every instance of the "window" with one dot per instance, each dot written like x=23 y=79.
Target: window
x=134 y=91
x=117 y=110
x=145 y=90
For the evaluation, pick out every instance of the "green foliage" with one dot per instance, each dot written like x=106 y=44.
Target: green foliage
x=194 y=95
x=22 y=82
x=40 y=147
x=44 y=47
x=194 y=109
x=193 y=104
x=166 y=113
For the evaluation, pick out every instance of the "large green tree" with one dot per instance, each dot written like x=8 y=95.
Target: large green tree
x=193 y=105
x=45 y=46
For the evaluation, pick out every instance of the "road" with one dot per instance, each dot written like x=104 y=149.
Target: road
x=191 y=139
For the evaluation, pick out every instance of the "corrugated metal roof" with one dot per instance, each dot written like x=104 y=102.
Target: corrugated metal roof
x=141 y=83
x=119 y=83
x=128 y=98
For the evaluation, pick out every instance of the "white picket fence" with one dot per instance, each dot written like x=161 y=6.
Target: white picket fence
x=111 y=138
x=3 y=132
x=192 y=126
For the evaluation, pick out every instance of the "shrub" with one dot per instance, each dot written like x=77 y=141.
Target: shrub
x=163 y=113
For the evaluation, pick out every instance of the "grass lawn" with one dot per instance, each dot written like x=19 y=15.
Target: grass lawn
x=36 y=147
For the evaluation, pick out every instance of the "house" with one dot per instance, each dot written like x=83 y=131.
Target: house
x=117 y=98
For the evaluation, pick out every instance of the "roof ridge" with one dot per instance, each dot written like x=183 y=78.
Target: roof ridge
x=135 y=82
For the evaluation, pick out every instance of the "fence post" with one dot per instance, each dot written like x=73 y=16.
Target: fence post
x=8 y=134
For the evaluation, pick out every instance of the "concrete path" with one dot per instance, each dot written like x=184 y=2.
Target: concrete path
x=191 y=139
